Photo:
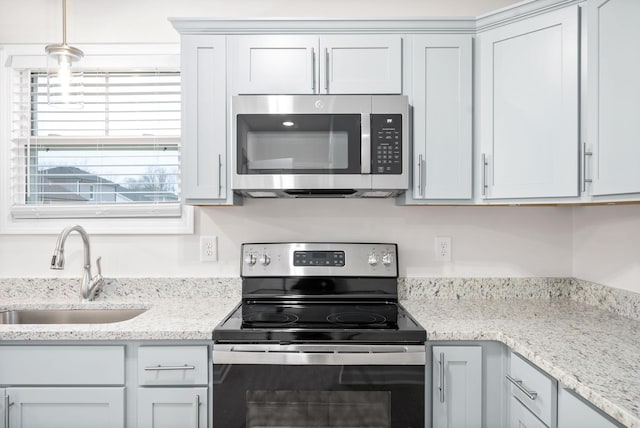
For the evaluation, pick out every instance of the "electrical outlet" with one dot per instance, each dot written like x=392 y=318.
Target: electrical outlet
x=443 y=248
x=208 y=248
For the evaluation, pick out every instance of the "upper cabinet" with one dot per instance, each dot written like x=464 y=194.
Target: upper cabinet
x=204 y=135
x=329 y=64
x=613 y=97
x=528 y=109
x=441 y=95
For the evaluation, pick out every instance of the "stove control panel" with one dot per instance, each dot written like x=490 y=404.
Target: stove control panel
x=319 y=259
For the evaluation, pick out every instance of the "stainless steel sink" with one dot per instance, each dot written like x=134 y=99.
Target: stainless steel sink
x=68 y=316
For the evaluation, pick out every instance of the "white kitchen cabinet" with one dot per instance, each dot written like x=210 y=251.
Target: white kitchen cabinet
x=204 y=131
x=529 y=107
x=172 y=407
x=328 y=64
x=180 y=404
x=521 y=417
x=613 y=97
x=457 y=387
x=534 y=389
x=52 y=386
x=442 y=117
x=65 y=407
x=573 y=412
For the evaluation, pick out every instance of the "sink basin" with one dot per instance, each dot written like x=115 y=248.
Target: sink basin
x=68 y=316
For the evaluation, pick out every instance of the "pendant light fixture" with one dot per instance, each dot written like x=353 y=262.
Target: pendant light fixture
x=64 y=82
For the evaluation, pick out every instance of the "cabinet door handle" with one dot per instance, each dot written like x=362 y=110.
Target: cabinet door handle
x=313 y=71
x=484 y=174
x=219 y=175
x=326 y=70
x=197 y=403
x=441 y=383
x=518 y=384
x=169 y=368
x=585 y=180
x=420 y=187
x=7 y=404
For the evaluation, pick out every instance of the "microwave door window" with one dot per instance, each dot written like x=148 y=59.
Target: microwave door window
x=299 y=144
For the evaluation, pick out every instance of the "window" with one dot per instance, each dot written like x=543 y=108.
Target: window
x=123 y=143
x=116 y=157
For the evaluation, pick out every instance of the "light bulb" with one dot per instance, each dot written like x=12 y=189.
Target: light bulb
x=64 y=77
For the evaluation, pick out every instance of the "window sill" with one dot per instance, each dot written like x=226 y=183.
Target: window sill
x=183 y=225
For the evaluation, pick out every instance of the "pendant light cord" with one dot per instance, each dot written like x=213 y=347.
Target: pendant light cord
x=64 y=22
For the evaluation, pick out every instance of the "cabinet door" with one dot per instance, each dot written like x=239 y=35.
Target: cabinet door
x=172 y=407
x=361 y=64
x=204 y=136
x=275 y=64
x=573 y=412
x=521 y=417
x=529 y=107
x=457 y=387
x=66 y=407
x=442 y=117
x=4 y=405
x=613 y=96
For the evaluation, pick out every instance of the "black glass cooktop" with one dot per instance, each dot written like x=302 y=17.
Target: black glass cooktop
x=295 y=322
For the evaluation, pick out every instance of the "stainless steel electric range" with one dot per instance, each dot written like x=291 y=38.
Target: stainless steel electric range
x=319 y=340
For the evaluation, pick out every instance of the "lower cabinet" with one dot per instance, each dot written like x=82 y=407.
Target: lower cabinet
x=64 y=407
x=521 y=417
x=173 y=387
x=457 y=387
x=172 y=407
x=105 y=385
x=533 y=394
x=574 y=412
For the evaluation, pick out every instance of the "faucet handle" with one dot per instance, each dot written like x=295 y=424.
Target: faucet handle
x=99 y=265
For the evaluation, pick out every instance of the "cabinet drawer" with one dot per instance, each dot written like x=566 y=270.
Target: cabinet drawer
x=173 y=365
x=521 y=417
x=62 y=365
x=543 y=389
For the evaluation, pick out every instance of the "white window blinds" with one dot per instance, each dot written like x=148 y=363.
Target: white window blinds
x=116 y=156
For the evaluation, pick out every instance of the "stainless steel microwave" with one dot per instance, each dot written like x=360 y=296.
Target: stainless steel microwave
x=320 y=145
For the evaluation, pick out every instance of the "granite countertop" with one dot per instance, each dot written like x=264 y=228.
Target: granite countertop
x=589 y=350
x=165 y=319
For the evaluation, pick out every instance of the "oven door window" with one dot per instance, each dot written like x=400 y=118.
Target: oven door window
x=298 y=143
x=327 y=396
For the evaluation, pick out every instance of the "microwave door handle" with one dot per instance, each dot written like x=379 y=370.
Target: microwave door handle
x=365 y=141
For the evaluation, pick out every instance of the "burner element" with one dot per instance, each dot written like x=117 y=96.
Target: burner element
x=356 y=318
x=270 y=318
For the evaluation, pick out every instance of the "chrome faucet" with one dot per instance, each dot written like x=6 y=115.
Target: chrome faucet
x=89 y=285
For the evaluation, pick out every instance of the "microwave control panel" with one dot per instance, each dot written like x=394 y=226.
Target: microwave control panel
x=386 y=144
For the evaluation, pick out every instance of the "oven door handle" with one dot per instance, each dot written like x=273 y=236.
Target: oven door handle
x=319 y=355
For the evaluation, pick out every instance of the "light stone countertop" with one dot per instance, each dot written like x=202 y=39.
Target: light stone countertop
x=165 y=319
x=589 y=350
x=593 y=351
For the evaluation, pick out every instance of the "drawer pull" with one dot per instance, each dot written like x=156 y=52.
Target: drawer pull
x=518 y=384
x=160 y=368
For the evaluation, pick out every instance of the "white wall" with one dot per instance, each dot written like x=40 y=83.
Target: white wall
x=486 y=241
x=498 y=241
x=140 y=21
x=606 y=245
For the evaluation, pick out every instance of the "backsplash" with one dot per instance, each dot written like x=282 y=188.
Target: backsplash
x=484 y=288
x=621 y=302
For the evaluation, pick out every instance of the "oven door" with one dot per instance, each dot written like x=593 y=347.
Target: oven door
x=295 y=386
